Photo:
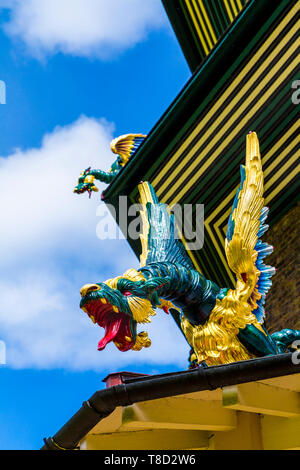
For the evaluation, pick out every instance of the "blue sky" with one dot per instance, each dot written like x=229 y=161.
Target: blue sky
x=76 y=78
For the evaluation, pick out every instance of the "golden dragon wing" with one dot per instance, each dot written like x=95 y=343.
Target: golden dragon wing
x=126 y=145
x=245 y=252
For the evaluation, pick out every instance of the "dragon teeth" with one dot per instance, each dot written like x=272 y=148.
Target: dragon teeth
x=115 y=309
x=104 y=301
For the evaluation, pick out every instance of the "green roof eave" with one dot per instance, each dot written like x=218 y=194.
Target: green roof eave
x=188 y=39
x=182 y=32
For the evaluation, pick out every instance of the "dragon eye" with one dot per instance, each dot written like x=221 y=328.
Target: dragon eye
x=127 y=293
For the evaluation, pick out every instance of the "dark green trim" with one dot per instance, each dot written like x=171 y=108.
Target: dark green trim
x=187 y=40
x=185 y=30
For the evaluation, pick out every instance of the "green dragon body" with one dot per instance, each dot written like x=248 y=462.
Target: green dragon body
x=221 y=325
x=124 y=146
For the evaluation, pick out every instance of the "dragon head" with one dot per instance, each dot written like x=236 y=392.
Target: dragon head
x=86 y=183
x=119 y=304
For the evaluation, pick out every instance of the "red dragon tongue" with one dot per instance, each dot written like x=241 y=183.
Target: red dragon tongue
x=111 y=331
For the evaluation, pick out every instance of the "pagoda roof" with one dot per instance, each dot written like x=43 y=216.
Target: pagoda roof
x=193 y=154
x=201 y=24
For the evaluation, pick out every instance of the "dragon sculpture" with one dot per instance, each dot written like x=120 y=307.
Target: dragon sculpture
x=221 y=325
x=124 y=146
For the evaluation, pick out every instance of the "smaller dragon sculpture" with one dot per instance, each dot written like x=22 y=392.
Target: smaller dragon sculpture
x=221 y=325
x=124 y=146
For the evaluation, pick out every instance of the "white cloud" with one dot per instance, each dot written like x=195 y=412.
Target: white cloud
x=49 y=249
x=86 y=28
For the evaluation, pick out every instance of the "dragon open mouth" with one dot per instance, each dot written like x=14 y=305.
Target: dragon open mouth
x=84 y=189
x=117 y=325
x=80 y=190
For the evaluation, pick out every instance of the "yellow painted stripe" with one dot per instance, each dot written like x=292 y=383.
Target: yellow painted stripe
x=202 y=24
x=283 y=183
x=172 y=161
x=228 y=10
x=197 y=27
x=190 y=253
x=227 y=110
x=209 y=25
x=221 y=255
x=280 y=143
x=225 y=226
x=233 y=7
x=279 y=158
x=196 y=131
x=208 y=228
x=283 y=169
x=212 y=237
x=233 y=117
x=239 y=4
x=221 y=236
x=221 y=205
x=242 y=123
x=226 y=214
x=222 y=240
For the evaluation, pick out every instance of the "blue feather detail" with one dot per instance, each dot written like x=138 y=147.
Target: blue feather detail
x=137 y=142
x=231 y=224
x=266 y=272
